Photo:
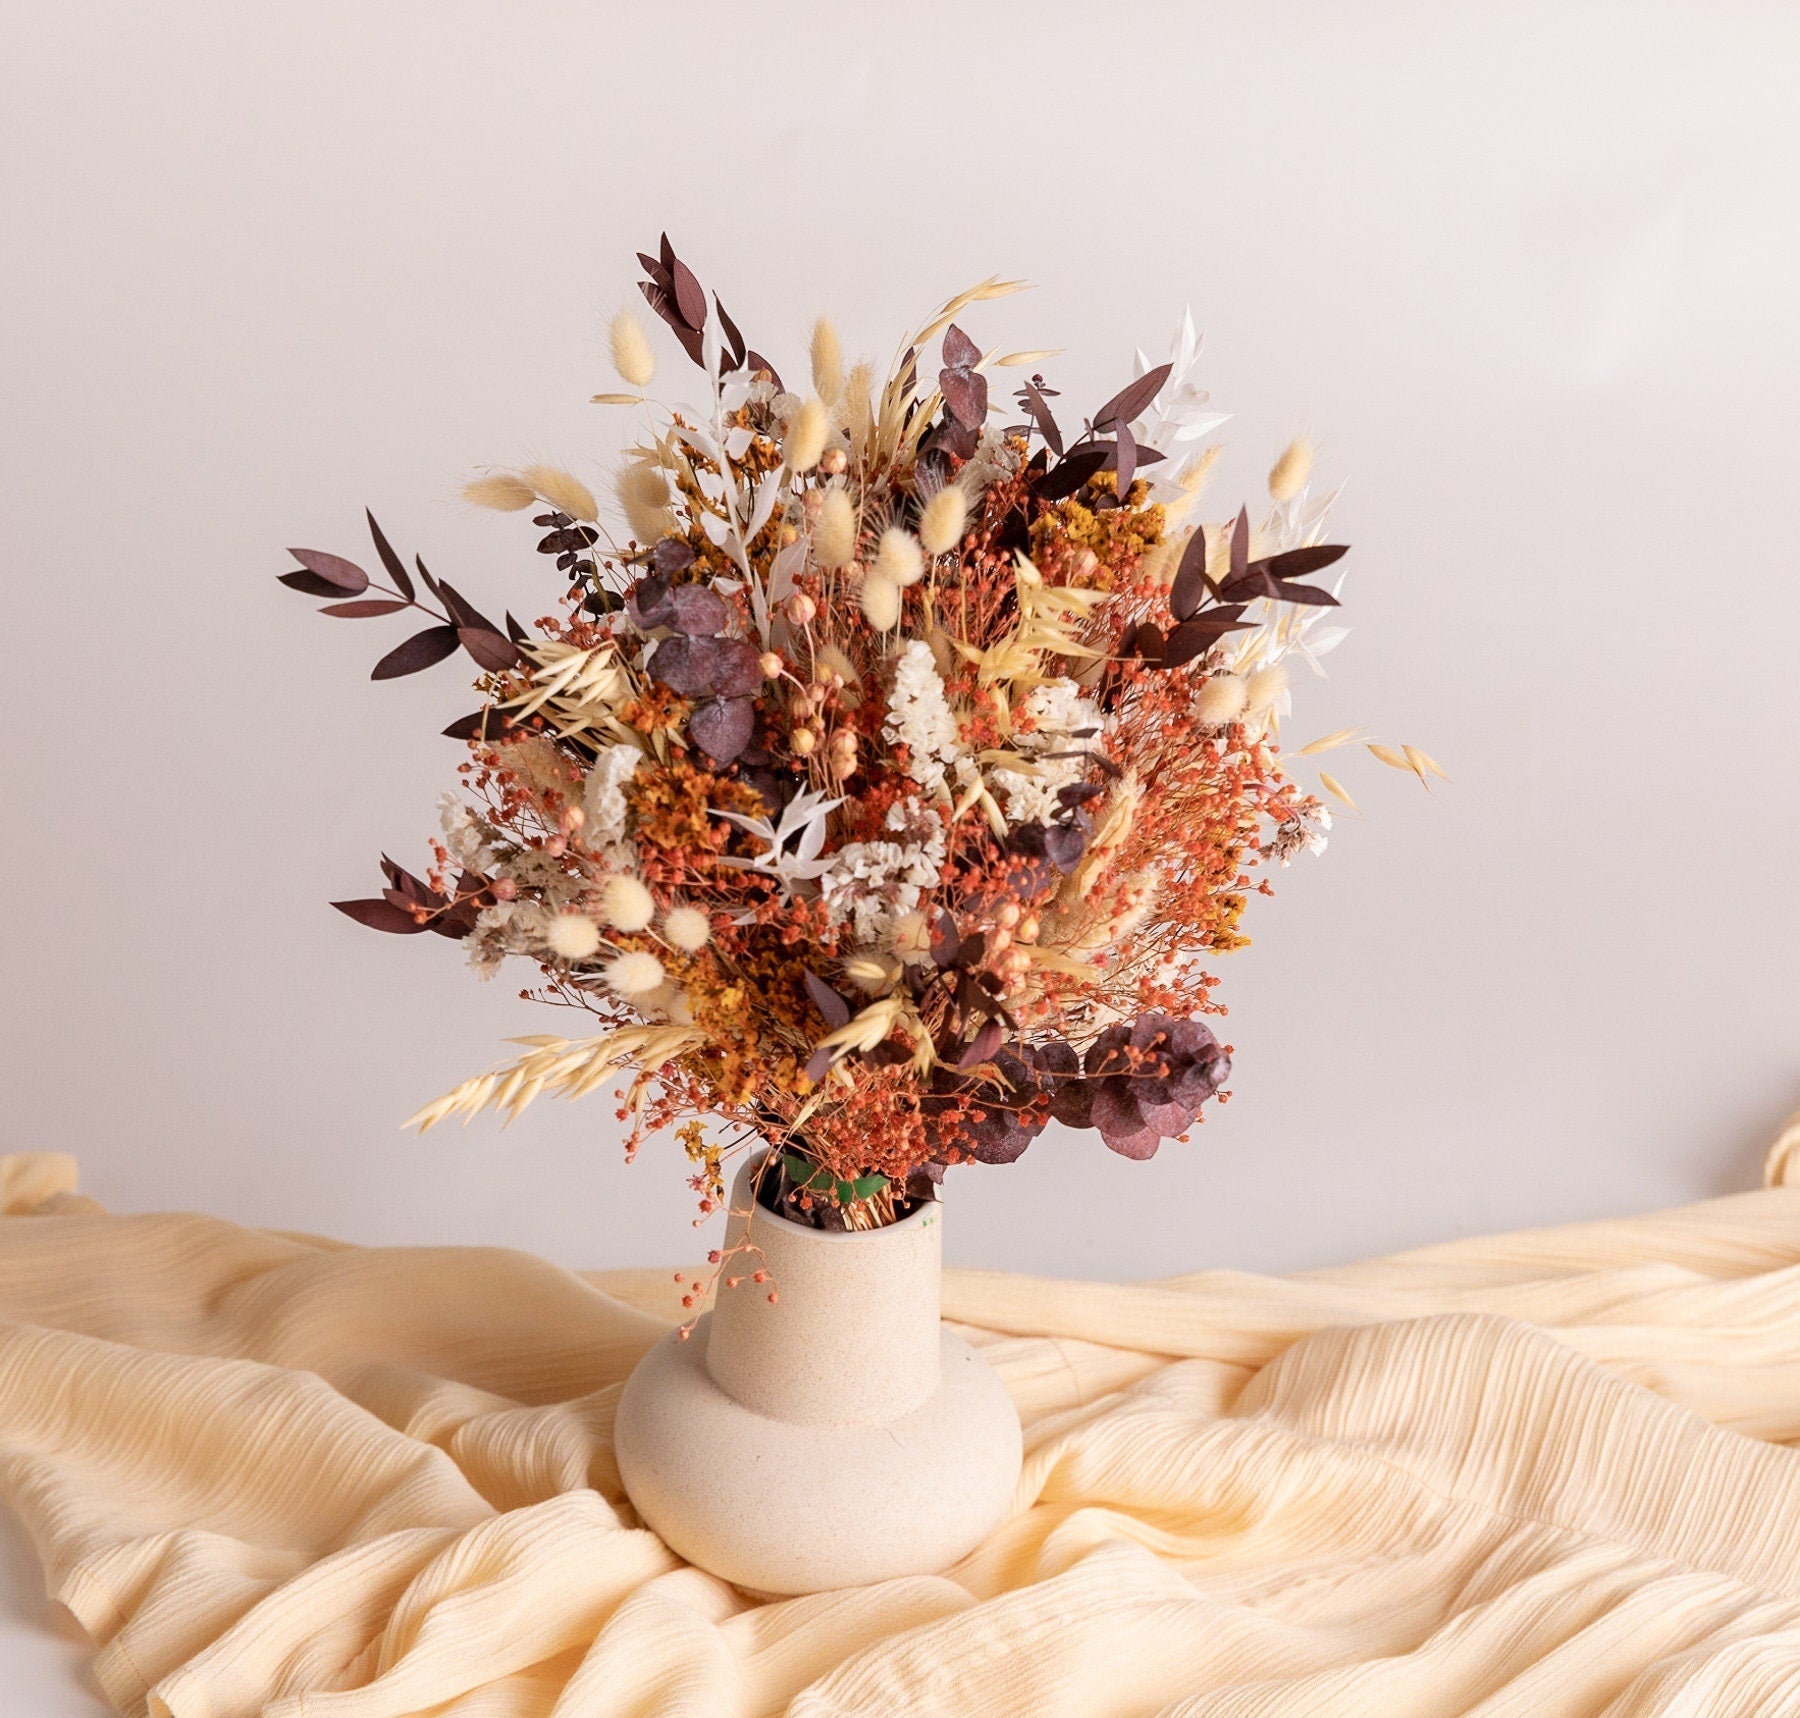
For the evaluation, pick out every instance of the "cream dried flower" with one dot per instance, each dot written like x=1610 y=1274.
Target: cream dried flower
x=644 y=495
x=1289 y=474
x=634 y=974
x=1222 y=699
x=631 y=352
x=572 y=936
x=626 y=904
x=881 y=602
x=687 y=928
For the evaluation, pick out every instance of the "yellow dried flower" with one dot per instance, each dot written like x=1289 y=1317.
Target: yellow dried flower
x=1221 y=700
x=941 y=524
x=631 y=353
x=834 y=535
x=899 y=557
x=1289 y=474
x=562 y=491
x=503 y=492
x=806 y=433
x=827 y=362
x=881 y=602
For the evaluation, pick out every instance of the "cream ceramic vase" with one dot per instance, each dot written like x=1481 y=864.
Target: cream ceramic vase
x=835 y=1436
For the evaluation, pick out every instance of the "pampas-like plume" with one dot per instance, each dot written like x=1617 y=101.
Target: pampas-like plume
x=941 y=524
x=834 y=536
x=806 y=433
x=644 y=494
x=504 y=493
x=561 y=490
x=631 y=353
x=1288 y=475
x=827 y=362
x=881 y=602
x=1264 y=687
x=900 y=558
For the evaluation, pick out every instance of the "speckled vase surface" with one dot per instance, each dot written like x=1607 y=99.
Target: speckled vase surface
x=836 y=1436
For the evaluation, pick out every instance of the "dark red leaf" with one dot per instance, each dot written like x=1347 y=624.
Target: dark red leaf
x=1039 y=407
x=310 y=584
x=1130 y=402
x=945 y=939
x=982 y=1046
x=486 y=724
x=1069 y=473
x=1191 y=583
x=733 y=338
x=654 y=267
x=419 y=651
x=1297 y=563
x=1063 y=846
x=757 y=361
x=690 y=301
x=364 y=608
x=1193 y=637
x=1309 y=596
x=493 y=650
x=672 y=555
x=959 y=350
x=1240 y=542
x=1127 y=459
x=834 y=1008
x=514 y=631
x=343 y=576
x=699 y=611
x=380 y=916
x=1146 y=640
x=396 y=568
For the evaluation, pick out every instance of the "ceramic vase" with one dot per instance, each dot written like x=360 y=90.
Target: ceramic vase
x=832 y=1436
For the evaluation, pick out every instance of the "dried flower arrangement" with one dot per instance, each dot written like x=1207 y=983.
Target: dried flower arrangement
x=883 y=785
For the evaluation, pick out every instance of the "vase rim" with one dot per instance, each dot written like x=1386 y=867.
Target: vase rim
x=913 y=1219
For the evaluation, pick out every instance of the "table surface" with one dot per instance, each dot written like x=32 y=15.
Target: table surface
x=43 y=1657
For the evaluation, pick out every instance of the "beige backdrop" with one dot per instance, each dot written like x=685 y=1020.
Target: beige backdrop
x=1529 y=273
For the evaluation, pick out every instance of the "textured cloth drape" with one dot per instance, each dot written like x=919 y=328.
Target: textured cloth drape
x=1537 y=1474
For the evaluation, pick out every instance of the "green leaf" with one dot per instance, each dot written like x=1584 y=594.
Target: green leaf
x=811 y=1178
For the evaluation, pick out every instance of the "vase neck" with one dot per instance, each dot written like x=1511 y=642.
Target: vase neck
x=852 y=1333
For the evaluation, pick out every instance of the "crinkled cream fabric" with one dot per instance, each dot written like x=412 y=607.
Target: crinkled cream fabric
x=1539 y=1474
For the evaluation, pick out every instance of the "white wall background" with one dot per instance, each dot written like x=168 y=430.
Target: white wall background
x=1529 y=272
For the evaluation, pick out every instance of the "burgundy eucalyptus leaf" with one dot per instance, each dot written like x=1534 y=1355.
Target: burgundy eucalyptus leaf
x=1306 y=596
x=1191 y=583
x=966 y=394
x=1195 y=637
x=672 y=555
x=1063 y=846
x=818 y=1065
x=345 y=577
x=462 y=611
x=960 y=352
x=699 y=610
x=1129 y=402
x=649 y=605
x=733 y=339
x=486 y=724
x=1072 y=471
x=722 y=727
x=1240 y=543
x=419 y=651
x=945 y=939
x=1039 y=407
x=572 y=538
x=364 y=608
x=396 y=568
x=380 y=916
x=514 y=631
x=493 y=650
x=757 y=361
x=1146 y=640
x=832 y=1006
x=703 y=667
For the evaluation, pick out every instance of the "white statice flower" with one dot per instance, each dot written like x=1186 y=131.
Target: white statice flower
x=603 y=799
x=466 y=836
x=920 y=718
x=874 y=884
x=1065 y=721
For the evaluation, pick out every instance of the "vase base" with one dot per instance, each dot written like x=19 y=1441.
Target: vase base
x=777 y=1507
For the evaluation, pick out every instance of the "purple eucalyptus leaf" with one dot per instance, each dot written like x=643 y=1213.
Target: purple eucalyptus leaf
x=722 y=727
x=343 y=576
